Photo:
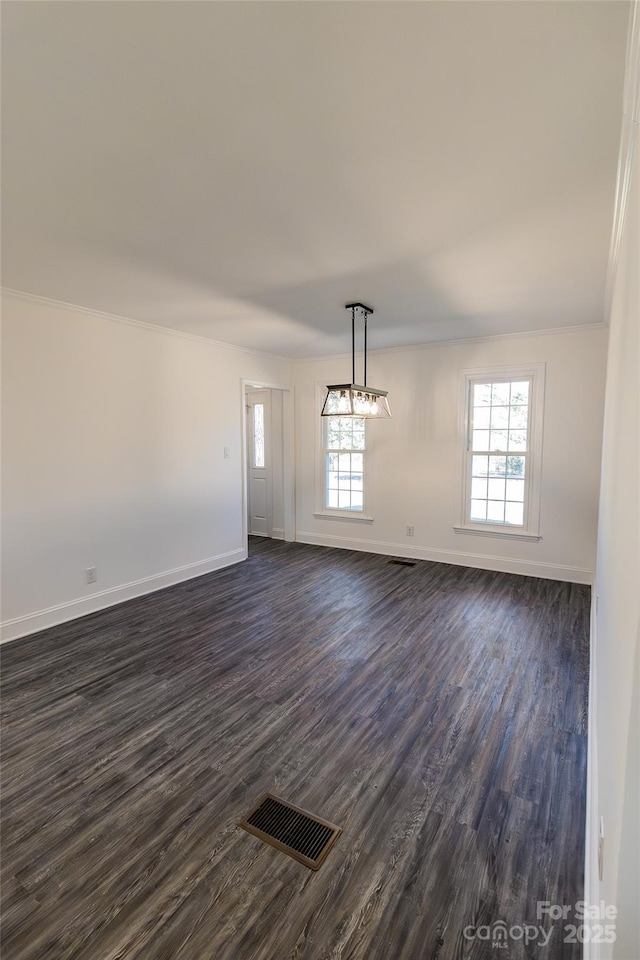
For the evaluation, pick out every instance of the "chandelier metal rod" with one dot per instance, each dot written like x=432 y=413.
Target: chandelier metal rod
x=353 y=344
x=365 y=350
x=363 y=311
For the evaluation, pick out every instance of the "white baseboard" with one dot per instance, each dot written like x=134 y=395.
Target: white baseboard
x=527 y=568
x=72 y=609
x=277 y=533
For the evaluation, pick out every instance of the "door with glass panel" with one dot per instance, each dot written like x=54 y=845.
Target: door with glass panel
x=259 y=463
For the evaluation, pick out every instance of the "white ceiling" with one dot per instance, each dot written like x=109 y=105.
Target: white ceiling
x=241 y=170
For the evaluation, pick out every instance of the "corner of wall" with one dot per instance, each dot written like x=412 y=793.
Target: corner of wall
x=591 y=866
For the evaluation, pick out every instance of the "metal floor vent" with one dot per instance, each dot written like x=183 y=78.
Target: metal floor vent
x=404 y=563
x=296 y=832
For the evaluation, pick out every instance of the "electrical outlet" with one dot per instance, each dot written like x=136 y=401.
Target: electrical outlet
x=227 y=453
x=92 y=575
x=410 y=530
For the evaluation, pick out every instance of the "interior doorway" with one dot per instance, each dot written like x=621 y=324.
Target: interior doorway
x=266 y=465
x=259 y=464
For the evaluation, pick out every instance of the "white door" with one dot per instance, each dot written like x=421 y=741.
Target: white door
x=259 y=462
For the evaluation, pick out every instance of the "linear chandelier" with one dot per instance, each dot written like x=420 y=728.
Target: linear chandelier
x=353 y=399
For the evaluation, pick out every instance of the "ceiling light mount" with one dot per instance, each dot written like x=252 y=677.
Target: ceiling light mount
x=353 y=399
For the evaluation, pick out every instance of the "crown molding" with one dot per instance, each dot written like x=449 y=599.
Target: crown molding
x=628 y=146
x=463 y=341
x=402 y=348
x=151 y=327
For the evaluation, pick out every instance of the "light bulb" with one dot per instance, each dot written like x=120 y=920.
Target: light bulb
x=343 y=403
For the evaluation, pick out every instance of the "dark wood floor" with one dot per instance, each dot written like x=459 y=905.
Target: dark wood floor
x=436 y=713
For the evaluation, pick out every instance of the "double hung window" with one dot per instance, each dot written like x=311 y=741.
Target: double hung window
x=502 y=453
x=344 y=463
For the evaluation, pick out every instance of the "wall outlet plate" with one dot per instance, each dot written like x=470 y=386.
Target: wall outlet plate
x=411 y=530
x=92 y=575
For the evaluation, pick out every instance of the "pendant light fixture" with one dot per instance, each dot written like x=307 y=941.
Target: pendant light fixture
x=352 y=399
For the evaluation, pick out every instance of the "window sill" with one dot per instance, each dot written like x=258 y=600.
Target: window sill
x=344 y=515
x=505 y=534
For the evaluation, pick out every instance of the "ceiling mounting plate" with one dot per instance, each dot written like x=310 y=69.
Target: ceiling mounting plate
x=362 y=306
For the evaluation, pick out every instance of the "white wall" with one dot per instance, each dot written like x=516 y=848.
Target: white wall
x=615 y=751
x=414 y=457
x=113 y=439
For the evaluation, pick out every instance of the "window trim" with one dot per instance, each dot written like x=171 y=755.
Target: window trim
x=325 y=513
x=531 y=528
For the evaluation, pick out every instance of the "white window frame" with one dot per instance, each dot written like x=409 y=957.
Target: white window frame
x=321 y=511
x=530 y=530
